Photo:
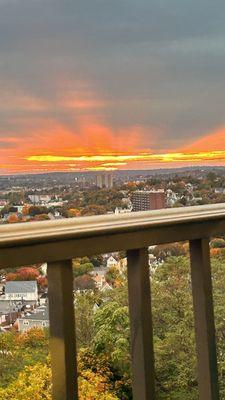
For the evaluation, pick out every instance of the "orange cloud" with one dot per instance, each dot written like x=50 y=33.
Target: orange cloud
x=214 y=141
x=84 y=141
x=54 y=146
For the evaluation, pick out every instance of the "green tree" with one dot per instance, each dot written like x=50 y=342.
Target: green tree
x=112 y=332
x=81 y=268
x=174 y=330
x=84 y=319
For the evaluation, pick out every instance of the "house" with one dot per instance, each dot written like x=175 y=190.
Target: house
x=43 y=299
x=111 y=262
x=25 y=291
x=43 y=268
x=99 y=281
x=219 y=190
x=2 y=318
x=106 y=287
x=38 y=319
x=9 y=312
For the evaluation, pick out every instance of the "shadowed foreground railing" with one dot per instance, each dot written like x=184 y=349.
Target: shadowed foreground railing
x=57 y=242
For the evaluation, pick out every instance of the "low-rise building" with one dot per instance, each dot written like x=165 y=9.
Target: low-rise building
x=25 y=291
x=106 y=287
x=37 y=319
x=99 y=281
x=112 y=262
x=219 y=190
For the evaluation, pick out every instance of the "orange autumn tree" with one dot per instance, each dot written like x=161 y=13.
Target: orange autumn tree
x=13 y=218
x=23 y=274
x=25 y=210
x=73 y=212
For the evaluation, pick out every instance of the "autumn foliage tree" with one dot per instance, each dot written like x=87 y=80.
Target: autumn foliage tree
x=163 y=251
x=113 y=277
x=84 y=282
x=13 y=218
x=23 y=274
x=42 y=282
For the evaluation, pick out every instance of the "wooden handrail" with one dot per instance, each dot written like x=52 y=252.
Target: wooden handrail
x=42 y=231
x=76 y=237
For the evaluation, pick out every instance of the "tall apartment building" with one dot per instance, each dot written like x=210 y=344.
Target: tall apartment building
x=104 y=180
x=144 y=200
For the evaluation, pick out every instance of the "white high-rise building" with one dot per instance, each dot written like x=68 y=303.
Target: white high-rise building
x=104 y=180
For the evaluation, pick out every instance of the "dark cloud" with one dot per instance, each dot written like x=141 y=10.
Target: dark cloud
x=154 y=63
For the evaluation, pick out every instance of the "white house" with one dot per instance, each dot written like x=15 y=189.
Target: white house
x=106 y=287
x=21 y=291
x=111 y=262
x=43 y=268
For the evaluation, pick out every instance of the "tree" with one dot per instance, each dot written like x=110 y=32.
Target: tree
x=100 y=365
x=97 y=261
x=174 y=330
x=80 y=267
x=36 y=210
x=16 y=198
x=84 y=319
x=217 y=243
x=112 y=333
x=93 y=209
x=84 y=282
x=41 y=217
x=73 y=212
x=113 y=277
x=11 y=276
x=162 y=251
x=19 y=350
x=34 y=382
x=211 y=176
x=23 y=274
x=25 y=210
x=13 y=218
x=42 y=282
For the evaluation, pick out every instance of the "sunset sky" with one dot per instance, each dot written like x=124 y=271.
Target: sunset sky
x=111 y=84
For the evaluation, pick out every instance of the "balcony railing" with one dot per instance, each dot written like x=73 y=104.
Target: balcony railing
x=57 y=242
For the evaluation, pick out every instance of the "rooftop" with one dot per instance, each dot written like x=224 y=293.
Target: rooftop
x=40 y=315
x=21 y=287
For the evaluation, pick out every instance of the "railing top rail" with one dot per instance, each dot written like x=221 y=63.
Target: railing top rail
x=12 y=235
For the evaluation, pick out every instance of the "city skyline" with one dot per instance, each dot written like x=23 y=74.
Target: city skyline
x=101 y=85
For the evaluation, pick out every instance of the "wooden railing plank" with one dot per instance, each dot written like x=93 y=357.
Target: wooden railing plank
x=24 y=244
x=204 y=319
x=62 y=331
x=141 y=325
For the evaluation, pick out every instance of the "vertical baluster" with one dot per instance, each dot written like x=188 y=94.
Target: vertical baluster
x=62 y=331
x=204 y=319
x=141 y=325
